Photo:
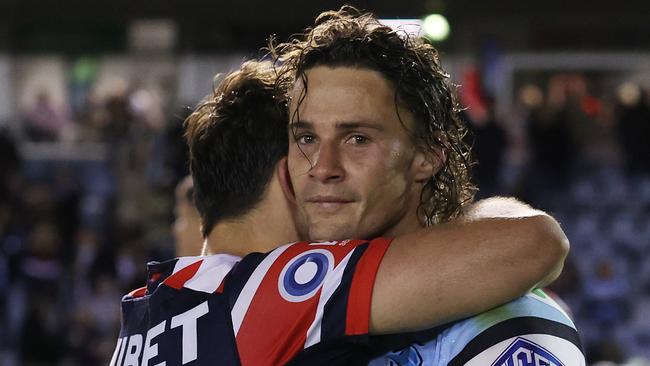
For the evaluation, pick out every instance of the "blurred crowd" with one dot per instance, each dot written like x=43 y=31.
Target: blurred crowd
x=76 y=231
x=586 y=161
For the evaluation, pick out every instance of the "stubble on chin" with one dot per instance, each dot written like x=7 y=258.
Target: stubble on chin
x=324 y=230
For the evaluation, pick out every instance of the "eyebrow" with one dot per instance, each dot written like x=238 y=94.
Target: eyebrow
x=299 y=125
x=306 y=125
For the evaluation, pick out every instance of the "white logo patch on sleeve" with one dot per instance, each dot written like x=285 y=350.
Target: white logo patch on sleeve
x=530 y=350
x=303 y=275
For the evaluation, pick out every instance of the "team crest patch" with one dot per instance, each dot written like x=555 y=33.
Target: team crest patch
x=303 y=275
x=523 y=352
x=406 y=357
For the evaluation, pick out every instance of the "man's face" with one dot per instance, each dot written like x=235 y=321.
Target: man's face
x=354 y=169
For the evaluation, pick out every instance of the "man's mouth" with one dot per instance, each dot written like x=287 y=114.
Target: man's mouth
x=328 y=202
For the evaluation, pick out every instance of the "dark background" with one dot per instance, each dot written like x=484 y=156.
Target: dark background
x=75 y=25
x=556 y=95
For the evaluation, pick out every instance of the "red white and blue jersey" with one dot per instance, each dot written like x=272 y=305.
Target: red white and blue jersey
x=263 y=309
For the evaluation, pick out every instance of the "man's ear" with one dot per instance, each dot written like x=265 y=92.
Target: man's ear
x=285 y=180
x=428 y=162
x=423 y=166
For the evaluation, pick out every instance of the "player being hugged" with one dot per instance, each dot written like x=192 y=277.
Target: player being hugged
x=252 y=300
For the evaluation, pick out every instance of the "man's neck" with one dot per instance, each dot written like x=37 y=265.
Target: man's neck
x=264 y=228
x=234 y=237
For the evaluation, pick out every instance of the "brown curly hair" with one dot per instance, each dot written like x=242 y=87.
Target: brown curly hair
x=348 y=37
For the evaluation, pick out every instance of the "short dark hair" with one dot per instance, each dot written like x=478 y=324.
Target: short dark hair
x=348 y=37
x=236 y=136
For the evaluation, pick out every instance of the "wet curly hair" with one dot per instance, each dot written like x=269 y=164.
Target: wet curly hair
x=349 y=37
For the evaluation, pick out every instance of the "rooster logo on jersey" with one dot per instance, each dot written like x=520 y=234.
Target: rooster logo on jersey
x=301 y=278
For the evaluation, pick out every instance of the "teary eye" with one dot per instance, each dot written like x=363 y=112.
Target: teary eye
x=357 y=139
x=305 y=139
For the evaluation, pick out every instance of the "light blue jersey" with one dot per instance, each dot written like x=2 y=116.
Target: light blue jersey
x=530 y=331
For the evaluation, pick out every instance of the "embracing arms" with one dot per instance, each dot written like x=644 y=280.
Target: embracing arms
x=499 y=250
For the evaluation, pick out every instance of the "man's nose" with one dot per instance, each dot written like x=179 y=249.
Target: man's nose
x=327 y=167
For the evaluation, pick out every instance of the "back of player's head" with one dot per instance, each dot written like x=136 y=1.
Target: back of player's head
x=351 y=38
x=236 y=136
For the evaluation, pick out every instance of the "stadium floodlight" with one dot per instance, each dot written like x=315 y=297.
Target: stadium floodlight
x=436 y=27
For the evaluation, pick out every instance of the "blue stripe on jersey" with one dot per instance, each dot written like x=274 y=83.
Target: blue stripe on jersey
x=239 y=275
x=344 y=350
x=335 y=311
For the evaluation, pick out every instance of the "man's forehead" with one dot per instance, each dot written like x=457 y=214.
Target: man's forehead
x=348 y=88
x=341 y=75
x=344 y=96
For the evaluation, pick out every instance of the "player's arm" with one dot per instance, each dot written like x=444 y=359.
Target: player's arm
x=500 y=250
x=508 y=207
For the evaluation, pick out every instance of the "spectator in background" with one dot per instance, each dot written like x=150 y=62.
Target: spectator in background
x=490 y=143
x=118 y=111
x=566 y=92
x=94 y=324
x=42 y=274
x=187 y=227
x=550 y=146
x=10 y=165
x=607 y=291
x=93 y=119
x=592 y=142
x=44 y=121
x=634 y=127
x=10 y=213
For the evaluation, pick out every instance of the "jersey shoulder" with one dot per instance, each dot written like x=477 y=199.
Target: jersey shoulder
x=300 y=295
x=264 y=308
x=532 y=327
x=199 y=273
x=180 y=316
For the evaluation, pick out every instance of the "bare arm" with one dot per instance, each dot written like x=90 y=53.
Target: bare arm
x=500 y=250
x=508 y=207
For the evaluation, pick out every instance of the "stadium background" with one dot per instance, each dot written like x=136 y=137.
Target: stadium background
x=92 y=96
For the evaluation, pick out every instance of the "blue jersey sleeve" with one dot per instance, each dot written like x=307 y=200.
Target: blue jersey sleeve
x=532 y=330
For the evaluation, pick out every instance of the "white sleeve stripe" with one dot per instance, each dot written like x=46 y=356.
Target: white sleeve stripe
x=183 y=262
x=211 y=273
x=332 y=282
x=248 y=292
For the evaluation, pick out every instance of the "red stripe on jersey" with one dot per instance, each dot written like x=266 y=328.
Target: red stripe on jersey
x=220 y=288
x=274 y=330
x=138 y=292
x=360 y=297
x=155 y=276
x=178 y=279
